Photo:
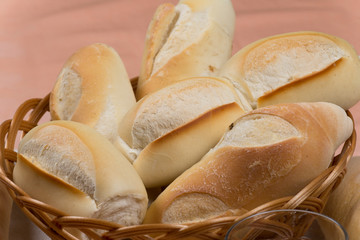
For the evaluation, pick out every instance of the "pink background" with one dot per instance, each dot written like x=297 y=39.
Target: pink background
x=37 y=36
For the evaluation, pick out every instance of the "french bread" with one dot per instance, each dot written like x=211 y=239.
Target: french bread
x=78 y=171
x=344 y=203
x=268 y=153
x=296 y=67
x=169 y=130
x=192 y=39
x=93 y=88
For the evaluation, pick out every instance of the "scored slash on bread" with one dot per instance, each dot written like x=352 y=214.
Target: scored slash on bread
x=296 y=67
x=75 y=169
x=268 y=153
x=93 y=88
x=191 y=39
x=169 y=130
x=159 y=30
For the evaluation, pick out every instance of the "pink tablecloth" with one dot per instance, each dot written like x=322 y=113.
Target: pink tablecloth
x=37 y=36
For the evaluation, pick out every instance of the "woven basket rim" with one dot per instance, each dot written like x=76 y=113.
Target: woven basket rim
x=58 y=225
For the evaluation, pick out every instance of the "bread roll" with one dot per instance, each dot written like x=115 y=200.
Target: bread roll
x=266 y=154
x=93 y=88
x=167 y=131
x=344 y=203
x=193 y=38
x=296 y=67
x=75 y=169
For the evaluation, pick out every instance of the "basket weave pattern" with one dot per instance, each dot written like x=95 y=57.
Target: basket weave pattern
x=59 y=225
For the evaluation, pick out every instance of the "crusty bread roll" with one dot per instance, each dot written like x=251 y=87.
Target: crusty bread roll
x=296 y=67
x=93 y=88
x=268 y=153
x=344 y=203
x=75 y=169
x=167 y=131
x=193 y=38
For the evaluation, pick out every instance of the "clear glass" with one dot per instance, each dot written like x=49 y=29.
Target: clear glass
x=287 y=224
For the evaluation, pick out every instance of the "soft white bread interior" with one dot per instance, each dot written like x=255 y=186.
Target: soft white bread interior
x=193 y=38
x=75 y=169
x=93 y=88
x=344 y=203
x=296 y=67
x=169 y=130
x=266 y=154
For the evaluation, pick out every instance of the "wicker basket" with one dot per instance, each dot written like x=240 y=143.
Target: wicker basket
x=58 y=225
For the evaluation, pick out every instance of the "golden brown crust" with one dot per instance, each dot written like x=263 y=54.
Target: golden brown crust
x=115 y=181
x=160 y=112
x=159 y=29
x=52 y=178
x=171 y=154
x=296 y=67
x=43 y=183
x=126 y=125
x=82 y=63
x=200 y=41
x=95 y=86
x=245 y=177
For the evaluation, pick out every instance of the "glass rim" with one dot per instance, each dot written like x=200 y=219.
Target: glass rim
x=288 y=210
